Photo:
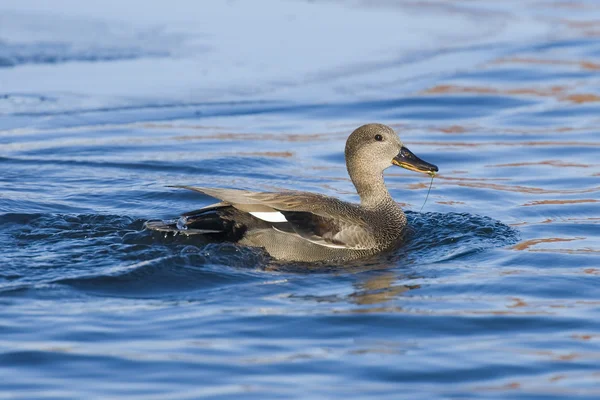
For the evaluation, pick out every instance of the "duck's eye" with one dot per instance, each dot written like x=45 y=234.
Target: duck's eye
x=379 y=138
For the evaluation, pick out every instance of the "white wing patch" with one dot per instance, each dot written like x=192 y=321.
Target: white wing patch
x=271 y=216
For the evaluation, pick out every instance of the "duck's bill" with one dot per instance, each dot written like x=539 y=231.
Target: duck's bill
x=406 y=159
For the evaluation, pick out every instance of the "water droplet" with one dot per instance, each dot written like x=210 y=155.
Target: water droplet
x=182 y=224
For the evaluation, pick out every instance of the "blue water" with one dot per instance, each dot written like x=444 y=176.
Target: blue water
x=495 y=295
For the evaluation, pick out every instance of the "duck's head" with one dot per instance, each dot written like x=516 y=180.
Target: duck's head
x=378 y=147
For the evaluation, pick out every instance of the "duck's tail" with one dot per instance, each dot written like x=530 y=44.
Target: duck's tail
x=216 y=222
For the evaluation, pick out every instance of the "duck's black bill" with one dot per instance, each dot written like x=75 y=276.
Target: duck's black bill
x=406 y=159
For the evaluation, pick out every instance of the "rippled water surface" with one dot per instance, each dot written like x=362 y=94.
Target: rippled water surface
x=495 y=295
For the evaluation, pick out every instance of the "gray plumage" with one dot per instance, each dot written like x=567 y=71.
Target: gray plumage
x=309 y=227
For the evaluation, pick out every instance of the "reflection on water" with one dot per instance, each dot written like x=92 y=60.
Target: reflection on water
x=379 y=289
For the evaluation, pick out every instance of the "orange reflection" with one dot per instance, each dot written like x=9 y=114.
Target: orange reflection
x=567 y=4
x=480 y=183
x=444 y=89
x=453 y=129
x=558 y=92
x=586 y=337
x=515 y=188
x=260 y=137
x=507 y=144
x=417 y=186
x=532 y=242
x=582 y=24
x=588 y=220
x=542 y=202
x=552 y=163
x=567 y=251
x=588 y=28
x=518 y=303
x=522 y=60
x=276 y=154
x=582 y=98
x=452 y=178
x=546 y=221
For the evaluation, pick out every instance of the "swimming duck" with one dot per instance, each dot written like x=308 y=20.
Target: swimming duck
x=310 y=227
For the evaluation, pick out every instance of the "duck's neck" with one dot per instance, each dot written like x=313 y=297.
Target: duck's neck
x=370 y=187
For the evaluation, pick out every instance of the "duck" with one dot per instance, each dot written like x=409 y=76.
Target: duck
x=295 y=226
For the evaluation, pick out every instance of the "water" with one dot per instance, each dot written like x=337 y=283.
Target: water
x=495 y=295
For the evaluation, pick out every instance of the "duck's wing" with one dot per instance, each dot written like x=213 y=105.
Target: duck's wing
x=322 y=220
x=262 y=203
x=327 y=231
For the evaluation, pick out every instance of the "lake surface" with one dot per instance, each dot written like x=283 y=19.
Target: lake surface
x=495 y=295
